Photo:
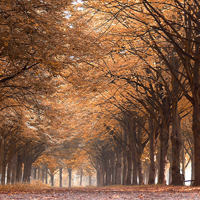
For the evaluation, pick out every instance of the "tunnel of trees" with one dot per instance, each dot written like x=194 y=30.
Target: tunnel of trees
x=109 y=88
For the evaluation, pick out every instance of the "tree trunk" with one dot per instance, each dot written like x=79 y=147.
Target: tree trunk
x=141 y=181
x=125 y=168
x=196 y=102
x=9 y=169
x=138 y=147
x=125 y=154
x=13 y=180
x=176 y=146
x=108 y=169
x=61 y=170
x=90 y=179
x=146 y=173
x=129 y=171
x=118 y=166
x=39 y=172
x=98 y=178
x=81 y=177
x=3 y=175
x=102 y=172
x=3 y=162
x=43 y=173
x=151 y=153
x=112 y=162
x=196 y=131
x=164 y=137
x=176 y=135
x=70 y=177
x=27 y=171
x=183 y=161
x=135 y=164
x=99 y=173
x=52 y=179
x=46 y=174
x=135 y=172
x=34 y=172
x=13 y=169
x=19 y=169
x=192 y=170
x=170 y=170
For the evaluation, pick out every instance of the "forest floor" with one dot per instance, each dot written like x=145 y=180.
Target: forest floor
x=100 y=193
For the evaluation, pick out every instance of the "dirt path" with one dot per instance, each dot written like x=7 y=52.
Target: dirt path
x=106 y=193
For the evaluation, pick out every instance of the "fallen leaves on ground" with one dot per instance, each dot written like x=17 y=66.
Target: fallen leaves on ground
x=99 y=193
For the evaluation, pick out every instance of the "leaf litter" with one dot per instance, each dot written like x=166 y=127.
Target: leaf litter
x=103 y=193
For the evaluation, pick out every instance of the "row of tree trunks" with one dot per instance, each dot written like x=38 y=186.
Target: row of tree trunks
x=41 y=173
x=126 y=167
x=19 y=165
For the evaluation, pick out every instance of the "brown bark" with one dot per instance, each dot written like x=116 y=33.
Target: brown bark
x=70 y=177
x=90 y=179
x=3 y=161
x=100 y=172
x=13 y=169
x=125 y=167
x=3 y=173
x=192 y=170
x=13 y=180
x=176 y=135
x=139 y=148
x=9 y=173
x=141 y=181
x=52 y=179
x=135 y=173
x=112 y=162
x=176 y=146
x=39 y=173
x=134 y=151
x=183 y=160
x=61 y=170
x=151 y=153
x=108 y=170
x=19 y=169
x=27 y=171
x=81 y=177
x=170 y=169
x=34 y=172
x=46 y=174
x=129 y=171
x=43 y=173
x=196 y=103
x=98 y=178
x=118 y=166
x=196 y=131
x=164 y=137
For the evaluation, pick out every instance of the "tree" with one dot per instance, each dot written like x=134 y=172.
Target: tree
x=144 y=17
x=186 y=45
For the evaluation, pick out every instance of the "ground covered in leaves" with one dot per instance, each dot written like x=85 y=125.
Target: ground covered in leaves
x=101 y=193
